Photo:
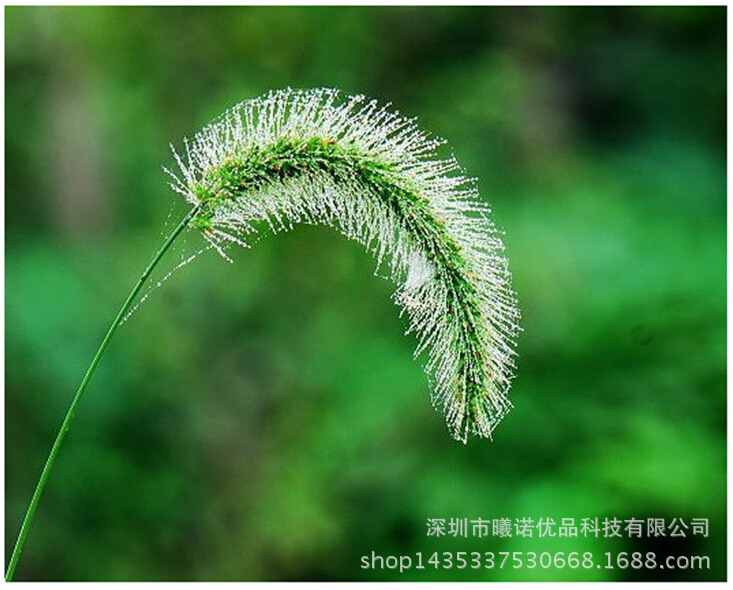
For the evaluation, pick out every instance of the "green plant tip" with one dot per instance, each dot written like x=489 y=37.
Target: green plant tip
x=313 y=157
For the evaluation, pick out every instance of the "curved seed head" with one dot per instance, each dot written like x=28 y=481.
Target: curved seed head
x=313 y=157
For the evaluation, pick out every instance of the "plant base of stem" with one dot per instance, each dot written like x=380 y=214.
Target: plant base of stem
x=71 y=412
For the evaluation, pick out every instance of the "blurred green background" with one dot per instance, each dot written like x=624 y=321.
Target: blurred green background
x=266 y=421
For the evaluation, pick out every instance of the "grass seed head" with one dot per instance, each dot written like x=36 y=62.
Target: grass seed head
x=313 y=157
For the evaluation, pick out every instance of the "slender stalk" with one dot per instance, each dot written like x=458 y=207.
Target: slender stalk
x=82 y=388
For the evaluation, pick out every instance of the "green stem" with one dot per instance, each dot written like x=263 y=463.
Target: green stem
x=82 y=388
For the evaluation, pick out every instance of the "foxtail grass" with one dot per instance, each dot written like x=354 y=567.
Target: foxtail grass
x=312 y=157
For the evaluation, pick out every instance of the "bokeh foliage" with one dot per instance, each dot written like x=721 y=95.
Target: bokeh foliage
x=266 y=420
